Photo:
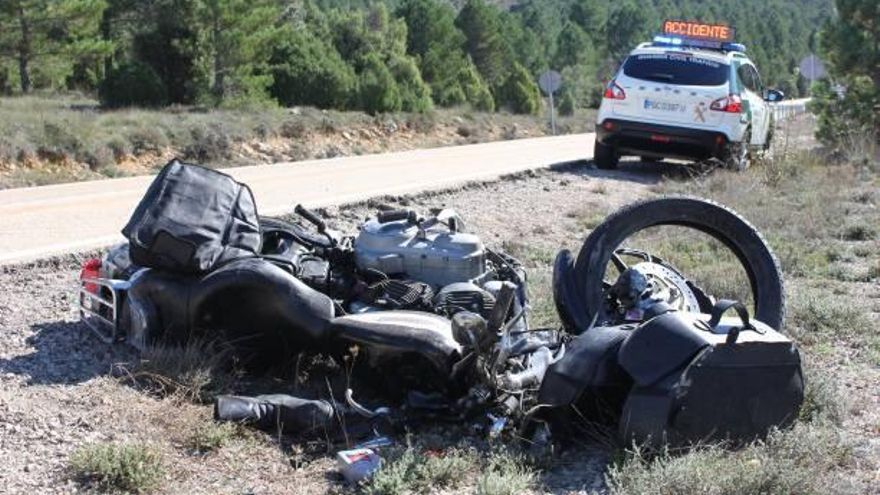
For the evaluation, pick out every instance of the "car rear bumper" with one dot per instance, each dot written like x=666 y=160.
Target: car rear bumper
x=660 y=141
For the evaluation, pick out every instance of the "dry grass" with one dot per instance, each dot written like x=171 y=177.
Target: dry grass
x=803 y=460
x=195 y=371
x=49 y=139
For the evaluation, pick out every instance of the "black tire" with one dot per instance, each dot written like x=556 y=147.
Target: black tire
x=770 y=132
x=720 y=222
x=736 y=155
x=605 y=156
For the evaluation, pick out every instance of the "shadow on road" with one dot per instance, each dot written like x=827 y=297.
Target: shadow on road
x=641 y=172
x=64 y=352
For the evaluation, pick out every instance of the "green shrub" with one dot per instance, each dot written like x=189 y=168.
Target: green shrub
x=520 y=92
x=60 y=140
x=130 y=468
x=413 y=471
x=820 y=318
x=566 y=103
x=858 y=232
x=505 y=474
x=307 y=71
x=377 y=89
x=481 y=99
x=823 y=398
x=209 y=143
x=212 y=436
x=132 y=84
x=415 y=95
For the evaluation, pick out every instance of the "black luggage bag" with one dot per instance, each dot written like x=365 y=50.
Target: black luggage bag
x=193 y=219
x=697 y=381
x=680 y=379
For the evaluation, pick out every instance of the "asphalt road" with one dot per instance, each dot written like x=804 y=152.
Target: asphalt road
x=39 y=221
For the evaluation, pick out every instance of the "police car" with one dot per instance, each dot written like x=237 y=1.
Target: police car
x=690 y=94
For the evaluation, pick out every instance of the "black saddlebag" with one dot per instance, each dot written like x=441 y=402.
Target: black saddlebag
x=192 y=219
x=677 y=379
x=697 y=381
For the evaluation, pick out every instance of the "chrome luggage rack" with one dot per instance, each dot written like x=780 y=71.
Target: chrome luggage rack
x=100 y=302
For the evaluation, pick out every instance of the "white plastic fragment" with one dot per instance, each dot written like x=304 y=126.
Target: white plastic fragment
x=357 y=465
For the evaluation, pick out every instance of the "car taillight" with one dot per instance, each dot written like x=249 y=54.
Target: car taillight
x=614 y=92
x=729 y=104
x=90 y=269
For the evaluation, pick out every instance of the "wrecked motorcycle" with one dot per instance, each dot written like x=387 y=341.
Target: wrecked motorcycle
x=442 y=320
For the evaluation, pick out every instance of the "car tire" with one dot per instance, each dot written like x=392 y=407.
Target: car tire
x=768 y=142
x=605 y=156
x=736 y=156
x=584 y=295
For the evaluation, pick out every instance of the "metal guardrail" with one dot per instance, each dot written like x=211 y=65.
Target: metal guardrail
x=787 y=109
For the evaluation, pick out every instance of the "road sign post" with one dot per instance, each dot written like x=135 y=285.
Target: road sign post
x=550 y=82
x=811 y=68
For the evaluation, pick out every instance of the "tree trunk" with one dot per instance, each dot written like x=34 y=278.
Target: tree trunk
x=24 y=51
x=219 y=75
x=106 y=35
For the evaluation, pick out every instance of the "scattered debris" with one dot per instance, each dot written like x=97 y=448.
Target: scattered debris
x=357 y=465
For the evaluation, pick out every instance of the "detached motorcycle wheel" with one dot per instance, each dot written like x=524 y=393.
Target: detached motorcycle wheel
x=725 y=225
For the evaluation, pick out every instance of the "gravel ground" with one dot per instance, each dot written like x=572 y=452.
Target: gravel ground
x=57 y=392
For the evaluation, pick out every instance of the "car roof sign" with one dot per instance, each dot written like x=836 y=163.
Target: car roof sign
x=699 y=30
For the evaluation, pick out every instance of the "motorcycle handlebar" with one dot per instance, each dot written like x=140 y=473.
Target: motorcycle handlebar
x=310 y=217
x=395 y=215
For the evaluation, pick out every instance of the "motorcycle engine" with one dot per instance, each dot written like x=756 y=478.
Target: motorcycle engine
x=435 y=251
x=457 y=271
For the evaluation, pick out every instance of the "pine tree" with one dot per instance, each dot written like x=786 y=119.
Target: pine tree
x=520 y=92
x=307 y=70
x=166 y=37
x=40 y=34
x=237 y=36
x=484 y=43
x=851 y=45
x=438 y=45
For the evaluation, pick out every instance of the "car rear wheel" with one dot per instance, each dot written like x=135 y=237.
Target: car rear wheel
x=605 y=156
x=736 y=154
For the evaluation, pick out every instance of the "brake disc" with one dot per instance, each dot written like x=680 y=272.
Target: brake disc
x=669 y=286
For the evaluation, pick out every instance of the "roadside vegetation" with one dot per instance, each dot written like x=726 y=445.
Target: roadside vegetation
x=127 y=468
x=231 y=82
x=45 y=139
x=374 y=56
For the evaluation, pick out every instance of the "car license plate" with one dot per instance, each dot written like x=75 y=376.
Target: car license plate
x=665 y=106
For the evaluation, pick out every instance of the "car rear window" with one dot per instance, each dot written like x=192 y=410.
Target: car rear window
x=676 y=68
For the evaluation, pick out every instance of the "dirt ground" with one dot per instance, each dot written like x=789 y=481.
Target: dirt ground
x=58 y=392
